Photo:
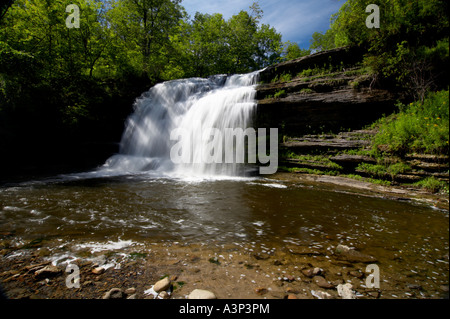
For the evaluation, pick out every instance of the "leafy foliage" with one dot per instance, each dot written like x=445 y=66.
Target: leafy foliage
x=58 y=83
x=418 y=127
x=410 y=49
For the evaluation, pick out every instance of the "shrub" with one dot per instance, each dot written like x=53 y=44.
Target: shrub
x=418 y=127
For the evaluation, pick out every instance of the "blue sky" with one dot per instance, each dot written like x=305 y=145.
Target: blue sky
x=296 y=20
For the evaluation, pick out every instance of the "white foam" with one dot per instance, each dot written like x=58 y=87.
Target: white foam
x=110 y=245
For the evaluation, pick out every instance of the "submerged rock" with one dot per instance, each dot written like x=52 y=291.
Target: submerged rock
x=115 y=293
x=261 y=291
x=351 y=255
x=322 y=282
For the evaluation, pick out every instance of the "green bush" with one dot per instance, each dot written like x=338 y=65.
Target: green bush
x=418 y=127
x=280 y=94
x=432 y=184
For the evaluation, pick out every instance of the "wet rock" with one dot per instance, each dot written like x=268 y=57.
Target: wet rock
x=261 y=256
x=311 y=272
x=308 y=272
x=317 y=271
x=288 y=278
x=98 y=270
x=345 y=291
x=321 y=294
x=47 y=271
x=291 y=297
x=162 y=285
x=201 y=294
x=356 y=273
x=351 y=255
x=164 y=295
x=115 y=293
x=291 y=290
x=130 y=291
x=304 y=251
x=261 y=291
x=337 y=282
x=414 y=286
x=322 y=282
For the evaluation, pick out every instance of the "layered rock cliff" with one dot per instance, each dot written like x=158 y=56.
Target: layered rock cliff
x=324 y=92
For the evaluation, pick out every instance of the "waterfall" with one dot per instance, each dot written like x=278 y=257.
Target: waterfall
x=193 y=105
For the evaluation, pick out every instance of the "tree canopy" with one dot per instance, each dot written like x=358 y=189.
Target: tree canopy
x=410 y=48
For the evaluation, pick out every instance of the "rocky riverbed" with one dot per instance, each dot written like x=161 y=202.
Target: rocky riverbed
x=225 y=271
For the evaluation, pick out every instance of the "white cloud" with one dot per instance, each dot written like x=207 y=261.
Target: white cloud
x=296 y=20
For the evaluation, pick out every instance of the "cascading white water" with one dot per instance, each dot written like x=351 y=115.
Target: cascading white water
x=220 y=102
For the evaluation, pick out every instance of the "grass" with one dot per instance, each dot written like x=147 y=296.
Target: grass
x=280 y=94
x=323 y=160
x=370 y=180
x=307 y=171
x=417 y=127
x=433 y=185
x=383 y=170
x=307 y=91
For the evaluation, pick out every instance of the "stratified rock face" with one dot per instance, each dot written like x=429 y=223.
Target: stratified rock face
x=341 y=99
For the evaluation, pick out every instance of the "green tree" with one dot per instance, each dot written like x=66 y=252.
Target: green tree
x=406 y=49
x=323 y=41
x=293 y=51
x=145 y=27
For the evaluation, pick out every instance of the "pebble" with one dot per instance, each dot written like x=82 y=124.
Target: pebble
x=261 y=291
x=98 y=270
x=291 y=290
x=356 y=273
x=115 y=293
x=321 y=294
x=47 y=271
x=163 y=295
x=130 y=291
x=201 y=294
x=308 y=272
x=162 y=285
x=322 y=282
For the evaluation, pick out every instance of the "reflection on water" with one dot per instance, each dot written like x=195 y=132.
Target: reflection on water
x=143 y=209
x=137 y=207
